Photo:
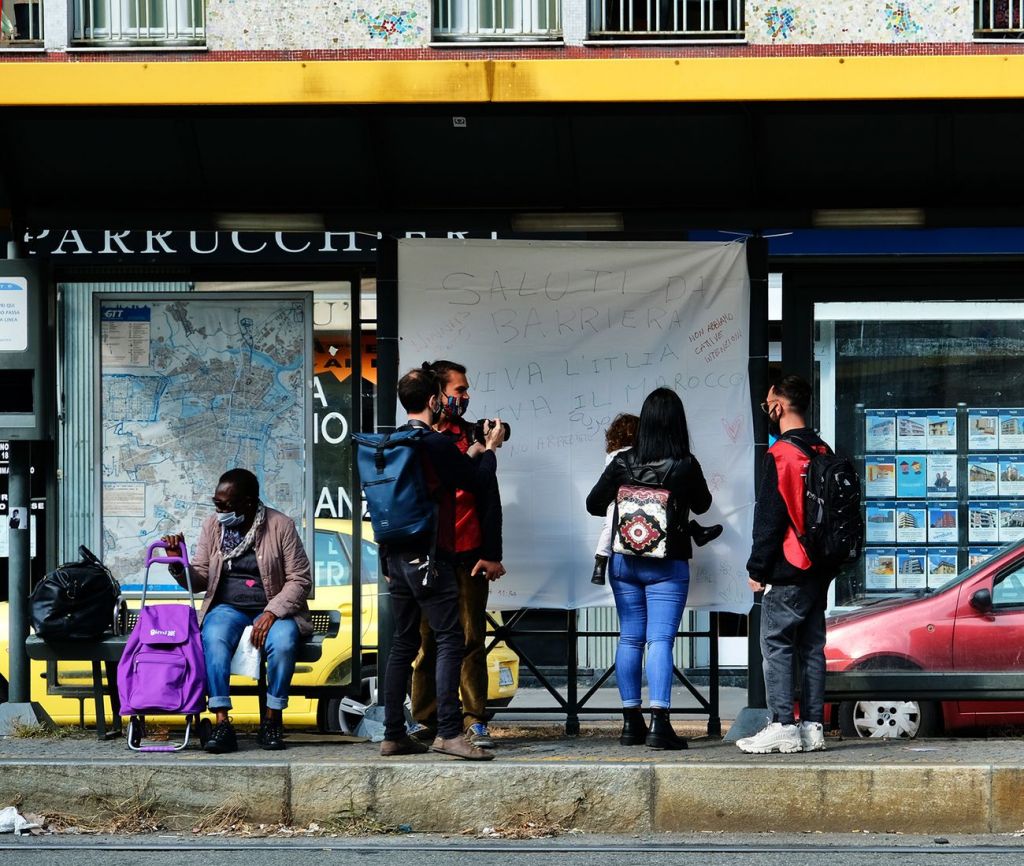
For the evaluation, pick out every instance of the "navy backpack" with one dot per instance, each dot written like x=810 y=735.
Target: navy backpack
x=391 y=474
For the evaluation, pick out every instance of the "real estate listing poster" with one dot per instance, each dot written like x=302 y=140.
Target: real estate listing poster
x=942 y=430
x=1011 y=475
x=978 y=555
x=983 y=429
x=911 y=523
x=880 y=523
x=879 y=568
x=983 y=522
x=942 y=525
x=911 y=429
x=1011 y=428
x=880 y=429
x=942 y=565
x=880 y=476
x=941 y=474
x=911 y=476
x=1011 y=521
x=911 y=568
x=983 y=475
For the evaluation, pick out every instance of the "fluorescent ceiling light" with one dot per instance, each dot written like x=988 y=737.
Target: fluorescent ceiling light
x=567 y=222
x=867 y=217
x=270 y=222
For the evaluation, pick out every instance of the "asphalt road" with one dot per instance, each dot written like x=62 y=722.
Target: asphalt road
x=698 y=850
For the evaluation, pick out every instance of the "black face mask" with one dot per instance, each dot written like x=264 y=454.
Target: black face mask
x=773 y=427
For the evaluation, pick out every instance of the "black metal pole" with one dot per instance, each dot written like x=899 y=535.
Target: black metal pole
x=355 y=493
x=18 y=564
x=387 y=395
x=572 y=714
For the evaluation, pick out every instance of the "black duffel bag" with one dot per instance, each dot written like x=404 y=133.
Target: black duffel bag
x=79 y=601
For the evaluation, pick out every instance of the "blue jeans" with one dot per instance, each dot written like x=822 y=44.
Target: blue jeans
x=221 y=631
x=650 y=595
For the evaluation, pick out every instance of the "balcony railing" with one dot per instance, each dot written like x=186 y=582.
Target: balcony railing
x=666 y=19
x=497 y=20
x=21 y=23
x=999 y=19
x=139 y=22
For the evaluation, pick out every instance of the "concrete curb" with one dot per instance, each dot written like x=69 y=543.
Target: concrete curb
x=447 y=796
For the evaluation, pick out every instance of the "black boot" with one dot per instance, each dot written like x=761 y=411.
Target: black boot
x=662 y=735
x=701 y=535
x=600 y=566
x=634 y=729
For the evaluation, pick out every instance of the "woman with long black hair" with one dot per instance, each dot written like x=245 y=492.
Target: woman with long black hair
x=650 y=592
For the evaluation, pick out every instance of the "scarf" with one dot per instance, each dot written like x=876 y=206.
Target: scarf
x=250 y=537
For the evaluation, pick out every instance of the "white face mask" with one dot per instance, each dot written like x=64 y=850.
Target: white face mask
x=230 y=519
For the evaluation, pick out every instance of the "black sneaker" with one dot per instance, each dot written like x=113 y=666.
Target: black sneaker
x=270 y=736
x=701 y=535
x=222 y=739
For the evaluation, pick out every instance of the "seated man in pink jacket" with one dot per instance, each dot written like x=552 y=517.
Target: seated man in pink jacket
x=251 y=563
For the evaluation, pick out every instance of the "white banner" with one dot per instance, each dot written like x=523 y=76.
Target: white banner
x=559 y=337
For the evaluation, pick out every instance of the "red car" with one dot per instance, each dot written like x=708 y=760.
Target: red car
x=975 y=622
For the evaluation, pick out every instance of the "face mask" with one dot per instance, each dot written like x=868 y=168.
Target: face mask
x=230 y=519
x=436 y=410
x=773 y=426
x=455 y=407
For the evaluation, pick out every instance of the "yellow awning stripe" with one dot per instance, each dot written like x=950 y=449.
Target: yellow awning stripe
x=669 y=79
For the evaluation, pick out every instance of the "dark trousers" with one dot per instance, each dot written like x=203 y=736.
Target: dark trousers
x=440 y=607
x=473 y=592
x=793 y=627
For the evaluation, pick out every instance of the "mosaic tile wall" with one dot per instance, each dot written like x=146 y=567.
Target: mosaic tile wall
x=254 y=25
x=875 y=21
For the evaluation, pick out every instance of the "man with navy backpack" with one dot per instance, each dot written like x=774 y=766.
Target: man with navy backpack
x=421 y=575
x=795 y=590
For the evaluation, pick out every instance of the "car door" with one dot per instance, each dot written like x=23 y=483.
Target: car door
x=992 y=641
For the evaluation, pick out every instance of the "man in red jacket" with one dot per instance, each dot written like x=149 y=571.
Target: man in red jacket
x=795 y=594
x=478 y=562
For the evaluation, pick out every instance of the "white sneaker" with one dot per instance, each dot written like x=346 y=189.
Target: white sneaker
x=775 y=737
x=812 y=736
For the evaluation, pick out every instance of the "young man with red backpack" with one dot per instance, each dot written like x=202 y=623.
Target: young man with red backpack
x=795 y=588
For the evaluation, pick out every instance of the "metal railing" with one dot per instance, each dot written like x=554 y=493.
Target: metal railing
x=497 y=20
x=139 y=22
x=999 y=19
x=667 y=19
x=21 y=23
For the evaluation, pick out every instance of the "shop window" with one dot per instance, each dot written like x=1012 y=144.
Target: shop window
x=927 y=399
x=21 y=23
x=499 y=20
x=139 y=22
x=666 y=19
x=999 y=19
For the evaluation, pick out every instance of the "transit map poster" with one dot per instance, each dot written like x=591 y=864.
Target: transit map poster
x=558 y=338
x=191 y=386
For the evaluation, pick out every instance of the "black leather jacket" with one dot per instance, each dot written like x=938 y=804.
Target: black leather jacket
x=683 y=478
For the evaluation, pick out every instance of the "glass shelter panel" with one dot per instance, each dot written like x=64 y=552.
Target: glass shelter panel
x=929 y=400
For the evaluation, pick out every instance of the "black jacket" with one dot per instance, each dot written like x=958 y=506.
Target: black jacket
x=683 y=478
x=776 y=556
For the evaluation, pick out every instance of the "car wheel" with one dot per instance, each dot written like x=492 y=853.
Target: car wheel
x=3 y=691
x=890 y=719
x=338 y=719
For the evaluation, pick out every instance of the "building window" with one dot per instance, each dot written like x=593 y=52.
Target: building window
x=998 y=19
x=666 y=19
x=21 y=23
x=139 y=22
x=497 y=20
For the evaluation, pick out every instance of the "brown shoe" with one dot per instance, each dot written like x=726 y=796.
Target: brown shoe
x=460 y=747
x=404 y=746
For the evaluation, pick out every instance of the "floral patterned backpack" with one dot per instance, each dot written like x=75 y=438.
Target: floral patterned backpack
x=644 y=516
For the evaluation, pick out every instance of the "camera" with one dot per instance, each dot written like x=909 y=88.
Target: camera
x=483 y=425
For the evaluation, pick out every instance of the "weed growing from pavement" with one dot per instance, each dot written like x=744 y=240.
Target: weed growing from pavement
x=42 y=731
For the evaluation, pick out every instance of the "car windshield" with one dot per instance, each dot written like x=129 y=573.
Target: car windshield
x=1015 y=547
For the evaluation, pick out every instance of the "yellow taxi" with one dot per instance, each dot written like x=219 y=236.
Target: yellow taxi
x=332 y=571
